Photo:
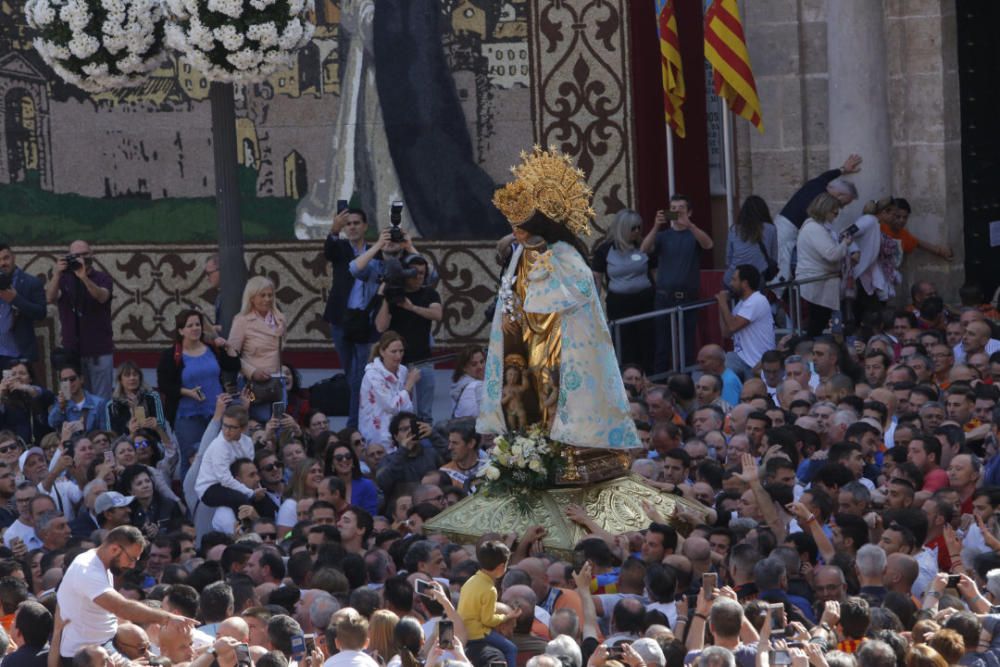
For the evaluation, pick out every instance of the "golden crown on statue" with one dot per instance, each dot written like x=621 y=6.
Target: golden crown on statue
x=547 y=182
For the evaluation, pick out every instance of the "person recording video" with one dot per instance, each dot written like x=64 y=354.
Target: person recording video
x=409 y=306
x=83 y=295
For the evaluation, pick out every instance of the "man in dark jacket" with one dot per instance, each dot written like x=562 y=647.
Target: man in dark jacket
x=30 y=631
x=22 y=303
x=351 y=291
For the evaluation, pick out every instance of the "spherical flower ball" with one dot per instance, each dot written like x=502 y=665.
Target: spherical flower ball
x=99 y=45
x=247 y=41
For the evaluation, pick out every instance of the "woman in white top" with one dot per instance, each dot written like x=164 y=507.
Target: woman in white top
x=386 y=388
x=820 y=252
x=467 y=382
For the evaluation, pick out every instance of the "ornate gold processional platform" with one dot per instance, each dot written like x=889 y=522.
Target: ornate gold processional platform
x=616 y=505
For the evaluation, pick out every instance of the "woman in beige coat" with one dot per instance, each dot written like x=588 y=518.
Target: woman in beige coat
x=820 y=252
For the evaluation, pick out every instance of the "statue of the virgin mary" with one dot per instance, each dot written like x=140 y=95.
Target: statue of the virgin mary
x=550 y=359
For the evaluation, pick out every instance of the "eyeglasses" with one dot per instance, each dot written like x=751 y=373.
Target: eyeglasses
x=231 y=427
x=336 y=457
x=636 y=228
x=141 y=444
x=271 y=467
x=132 y=559
x=72 y=378
x=9 y=447
x=138 y=648
x=434 y=499
x=268 y=537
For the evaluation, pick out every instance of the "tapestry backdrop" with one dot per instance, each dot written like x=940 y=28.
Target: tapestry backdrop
x=423 y=101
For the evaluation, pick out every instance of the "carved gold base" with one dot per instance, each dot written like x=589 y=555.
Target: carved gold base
x=588 y=465
x=615 y=504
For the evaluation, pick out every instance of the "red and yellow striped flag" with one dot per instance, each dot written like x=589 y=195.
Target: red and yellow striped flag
x=670 y=62
x=726 y=50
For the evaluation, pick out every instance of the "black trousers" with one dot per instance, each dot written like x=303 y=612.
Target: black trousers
x=637 y=343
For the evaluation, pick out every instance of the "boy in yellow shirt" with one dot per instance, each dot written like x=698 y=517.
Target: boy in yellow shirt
x=478 y=599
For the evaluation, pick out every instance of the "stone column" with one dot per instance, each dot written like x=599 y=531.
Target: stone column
x=858 y=89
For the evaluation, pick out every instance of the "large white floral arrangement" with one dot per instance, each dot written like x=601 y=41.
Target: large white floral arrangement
x=519 y=462
x=238 y=40
x=98 y=45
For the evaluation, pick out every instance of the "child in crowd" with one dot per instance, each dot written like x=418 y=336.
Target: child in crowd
x=478 y=599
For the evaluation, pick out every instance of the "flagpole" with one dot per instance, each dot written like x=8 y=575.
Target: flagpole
x=727 y=156
x=670 y=161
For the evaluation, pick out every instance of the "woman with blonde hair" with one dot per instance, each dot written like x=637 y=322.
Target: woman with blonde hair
x=257 y=334
x=386 y=388
x=820 y=252
x=381 y=642
x=304 y=484
x=625 y=273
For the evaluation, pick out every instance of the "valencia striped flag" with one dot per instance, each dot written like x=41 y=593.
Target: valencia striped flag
x=726 y=50
x=670 y=62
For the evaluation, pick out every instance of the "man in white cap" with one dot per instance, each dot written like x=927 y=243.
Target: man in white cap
x=112 y=510
x=32 y=465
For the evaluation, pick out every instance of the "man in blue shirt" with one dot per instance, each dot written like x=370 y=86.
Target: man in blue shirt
x=22 y=303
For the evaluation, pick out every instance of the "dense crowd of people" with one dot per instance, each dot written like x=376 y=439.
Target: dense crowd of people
x=840 y=488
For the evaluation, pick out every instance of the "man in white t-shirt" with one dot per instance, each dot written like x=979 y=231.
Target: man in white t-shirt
x=88 y=598
x=750 y=323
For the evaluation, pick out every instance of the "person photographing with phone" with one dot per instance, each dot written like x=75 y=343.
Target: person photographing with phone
x=414 y=457
x=74 y=403
x=676 y=243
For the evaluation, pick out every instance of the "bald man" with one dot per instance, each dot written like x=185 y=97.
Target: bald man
x=234 y=627
x=699 y=552
x=527 y=643
x=712 y=359
x=132 y=642
x=901 y=572
x=549 y=598
x=977 y=336
x=177 y=643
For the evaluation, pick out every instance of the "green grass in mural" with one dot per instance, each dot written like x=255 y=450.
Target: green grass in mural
x=29 y=216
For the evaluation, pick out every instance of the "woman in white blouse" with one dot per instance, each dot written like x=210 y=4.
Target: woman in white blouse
x=820 y=251
x=386 y=388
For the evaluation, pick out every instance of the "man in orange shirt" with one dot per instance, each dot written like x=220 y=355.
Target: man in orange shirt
x=549 y=598
x=897 y=230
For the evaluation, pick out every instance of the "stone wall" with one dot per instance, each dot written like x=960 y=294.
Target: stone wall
x=789 y=49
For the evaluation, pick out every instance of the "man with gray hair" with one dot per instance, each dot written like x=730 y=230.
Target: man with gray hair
x=716 y=656
x=566 y=622
x=875 y=653
x=53 y=530
x=567 y=650
x=993 y=585
x=523 y=598
x=650 y=651
x=870 y=565
x=544 y=660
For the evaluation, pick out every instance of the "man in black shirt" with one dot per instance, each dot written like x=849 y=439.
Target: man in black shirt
x=410 y=315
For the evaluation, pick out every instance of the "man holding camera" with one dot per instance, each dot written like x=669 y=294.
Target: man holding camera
x=83 y=295
x=22 y=303
x=408 y=307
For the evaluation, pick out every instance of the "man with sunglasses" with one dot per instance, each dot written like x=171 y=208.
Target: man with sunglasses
x=272 y=479
x=88 y=596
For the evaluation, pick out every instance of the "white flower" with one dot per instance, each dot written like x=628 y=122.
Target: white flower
x=492 y=473
x=536 y=466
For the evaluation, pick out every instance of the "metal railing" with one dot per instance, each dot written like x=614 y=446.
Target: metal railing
x=675 y=314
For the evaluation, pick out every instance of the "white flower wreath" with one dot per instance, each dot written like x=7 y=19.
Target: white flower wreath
x=98 y=45
x=229 y=40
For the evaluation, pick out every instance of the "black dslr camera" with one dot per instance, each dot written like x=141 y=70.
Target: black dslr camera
x=396 y=234
x=394 y=275
x=73 y=262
